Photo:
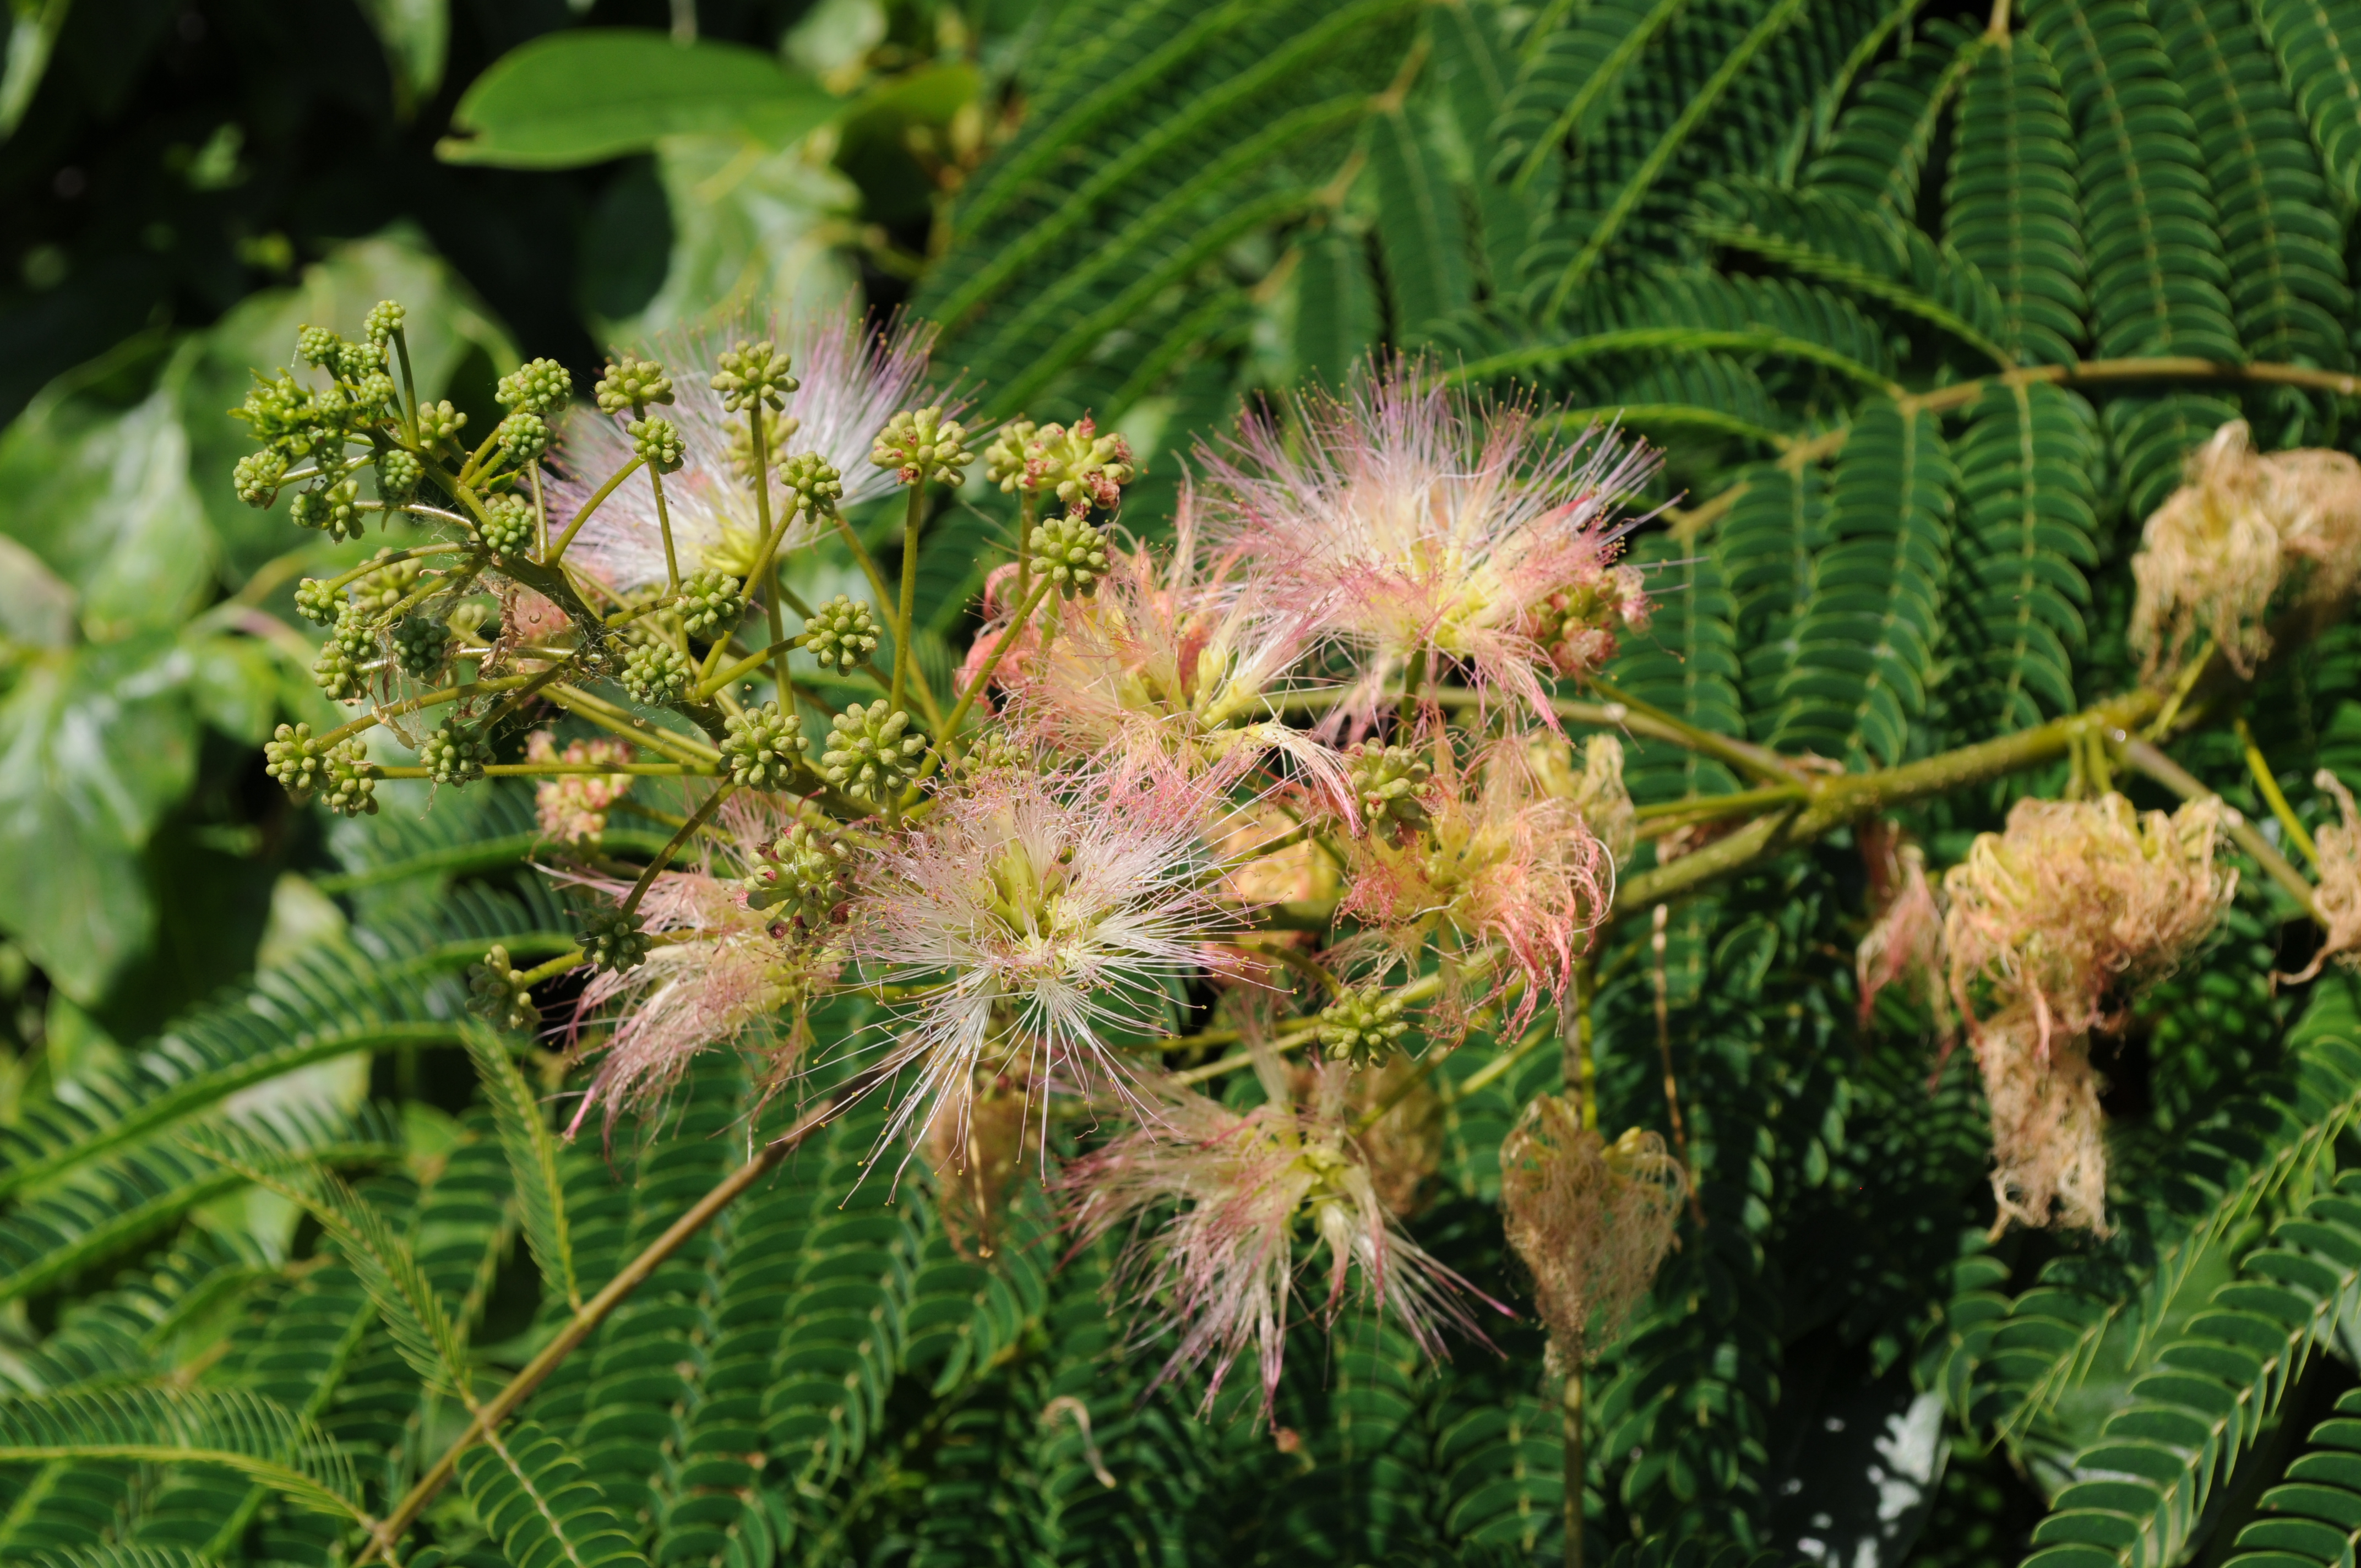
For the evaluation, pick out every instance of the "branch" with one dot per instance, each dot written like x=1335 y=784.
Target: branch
x=596 y=1310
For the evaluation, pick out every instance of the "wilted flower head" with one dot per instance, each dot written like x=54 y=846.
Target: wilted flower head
x=2214 y=557
x=2338 y=896
x=1500 y=862
x=1592 y=1220
x=2056 y=923
x=977 y=1160
x=1223 y=1269
x=726 y=967
x=849 y=382
x=1597 y=792
x=1168 y=659
x=1404 y=518
x=1044 y=913
x=574 y=806
x=1905 y=939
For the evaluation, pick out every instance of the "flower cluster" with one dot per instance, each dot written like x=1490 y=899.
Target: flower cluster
x=1591 y=1220
x=2246 y=537
x=574 y=806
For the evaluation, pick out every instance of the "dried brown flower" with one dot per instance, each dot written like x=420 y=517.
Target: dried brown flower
x=2056 y=924
x=2338 y=896
x=1906 y=942
x=2214 y=557
x=1592 y=1220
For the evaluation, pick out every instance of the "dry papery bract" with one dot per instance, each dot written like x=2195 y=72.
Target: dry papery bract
x=1221 y=1272
x=2243 y=527
x=978 y=1159
x=2052 y=928
x=1591 y=1220
x=2338 y=897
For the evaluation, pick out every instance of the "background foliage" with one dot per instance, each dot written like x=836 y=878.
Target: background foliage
x=1868 y=270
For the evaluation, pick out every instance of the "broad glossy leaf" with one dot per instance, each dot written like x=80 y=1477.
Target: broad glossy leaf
x=583 y=96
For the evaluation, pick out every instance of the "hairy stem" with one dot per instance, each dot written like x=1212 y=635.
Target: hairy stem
x=697 y=819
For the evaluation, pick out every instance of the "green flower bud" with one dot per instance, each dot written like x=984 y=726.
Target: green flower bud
x=334 y=510
x=761 y=745
x=1003 y=460
x=870 y=752
x=1077 y=465
x=632 y=384
x=317 y=346
x=384 y=319
x=256 y=478
x=1070 y=553
x=399 y=474
x=711 y=604
x=363 y=365
x=613 y=940
x=803 y=877
x=657 y=673
x=524 y=436
x=508 y=524
x=337 y=673
x=752 y=374
x=422 y=644
x=381 y=591
x=538 y=386
x=455 y=754
x=1385 y=782
x=440 y=421
x=659 y=441
x=842 y=634
x=315 y=603
x=922 y=446
x=1362 y=1026
x=813 y=481
x=282 y=414
x=304 y=767
x=497 y=992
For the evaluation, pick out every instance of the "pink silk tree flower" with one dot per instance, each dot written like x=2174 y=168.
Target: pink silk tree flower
x=1403 y=519
x=573 y=806
x=718 y=969
x=1223 y=1271
x=1171 y=657
x=1040 y=913
x=1498 y=861
x=849 y=382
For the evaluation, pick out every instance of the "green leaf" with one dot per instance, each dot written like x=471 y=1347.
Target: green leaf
x=533 y=1158
x=588 y=95
x=2318 y=43
x=2012 y=204
x=32 y=36
x=95 y=744
x=1420 y=227
x=531 y=1496
x=416 y=36
x=243 y=1431
x=1335 y=308
x=1863 y=649
x=105 y=501
x=420 y=1324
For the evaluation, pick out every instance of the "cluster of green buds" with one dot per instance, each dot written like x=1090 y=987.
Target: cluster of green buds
x=297 y=424
x=842 y=634
x=752 y=376
x=922 y=447
x=1387 y=783
x=1363 y=1025
x=711 y=604
x=457 y=753
x=614 y=940
x=870 y=754
x=340 y=774
x=498 y=994
x=341 y=668
x=803 y=877
x=761 y=746
x=1070 y=553
x=508 y=524
x=814 y=483
x=1077 y=464
x=656 y=672
x=422 y=646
